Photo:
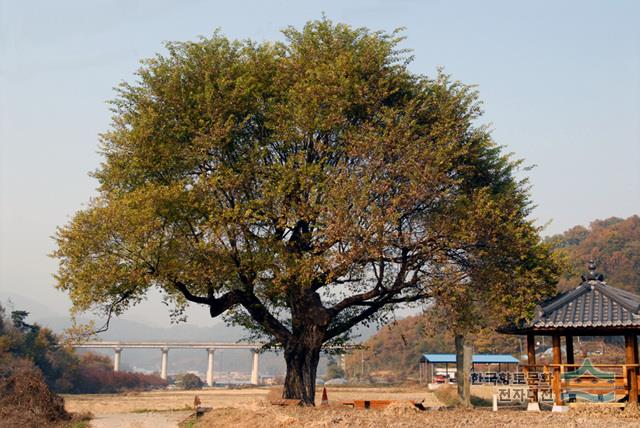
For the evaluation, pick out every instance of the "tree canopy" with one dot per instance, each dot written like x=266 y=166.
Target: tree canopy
x=299 y=187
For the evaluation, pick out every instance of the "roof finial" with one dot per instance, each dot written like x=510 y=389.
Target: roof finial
x=592 y=275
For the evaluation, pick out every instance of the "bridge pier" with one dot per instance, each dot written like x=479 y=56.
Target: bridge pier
x=164 y=363
x=116 y=359
x=255 y=369
x=210 y=353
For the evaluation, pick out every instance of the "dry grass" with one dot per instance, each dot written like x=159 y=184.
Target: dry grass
x=250 y=408
x=448 y=396
x=26 y=400
x=401 y=416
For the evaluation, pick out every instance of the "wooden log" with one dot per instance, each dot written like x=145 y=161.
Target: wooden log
x=286 y=402
x=371 y=404
x=379 y=404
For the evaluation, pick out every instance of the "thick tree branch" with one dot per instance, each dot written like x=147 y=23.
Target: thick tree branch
x=379 y=290
x=216 y=305
x=347 y=324
x=262 y=316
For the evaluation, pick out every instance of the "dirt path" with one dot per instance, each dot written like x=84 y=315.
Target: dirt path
x=139 y=420
x=137 y=402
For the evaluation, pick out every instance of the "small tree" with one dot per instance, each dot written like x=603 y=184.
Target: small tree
x=334 y=371
x=505 y=287
x=191 y=381
x=299 y=187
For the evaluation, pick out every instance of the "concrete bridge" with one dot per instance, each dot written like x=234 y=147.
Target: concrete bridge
x=210 y=347
x=164 y=347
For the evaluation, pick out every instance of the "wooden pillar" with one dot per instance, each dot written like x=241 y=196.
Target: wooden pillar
x=634 y=339
x=557 y=359
x=631 y=345
x=569 y=347
x=531 y=349
x=531 y=361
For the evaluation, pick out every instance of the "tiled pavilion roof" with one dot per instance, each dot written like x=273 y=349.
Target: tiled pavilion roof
x=593 y=306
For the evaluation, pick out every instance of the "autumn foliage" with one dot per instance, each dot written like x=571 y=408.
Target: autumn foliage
x=38 y=352
x=95 y=375
x=613 y=243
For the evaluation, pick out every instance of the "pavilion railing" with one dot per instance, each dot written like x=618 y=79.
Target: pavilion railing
x=562 y=383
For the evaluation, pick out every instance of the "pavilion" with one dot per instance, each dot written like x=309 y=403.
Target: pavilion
x=594 y=308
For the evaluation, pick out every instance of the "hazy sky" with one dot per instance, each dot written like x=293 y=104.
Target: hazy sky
x=560 y=81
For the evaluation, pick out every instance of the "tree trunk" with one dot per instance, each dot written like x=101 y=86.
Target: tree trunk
x=464 y=356
x=302 y=364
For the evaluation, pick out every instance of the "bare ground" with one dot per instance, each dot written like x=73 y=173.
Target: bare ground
x=248 y=407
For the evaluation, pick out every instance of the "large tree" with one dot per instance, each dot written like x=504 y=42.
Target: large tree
x=299 y=187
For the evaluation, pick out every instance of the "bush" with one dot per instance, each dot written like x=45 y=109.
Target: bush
x=25 y=398
x=448 y=396
x=191 y=381
x=96 y=376
x=334 y=371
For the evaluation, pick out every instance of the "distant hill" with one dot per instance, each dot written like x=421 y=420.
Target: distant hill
x=614 y=243
x=16 y=301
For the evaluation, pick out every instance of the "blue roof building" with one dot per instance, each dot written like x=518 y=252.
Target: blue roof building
x=428 y=363
x=477 y=359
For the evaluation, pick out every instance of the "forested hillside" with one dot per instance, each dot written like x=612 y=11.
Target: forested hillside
x=614 y=243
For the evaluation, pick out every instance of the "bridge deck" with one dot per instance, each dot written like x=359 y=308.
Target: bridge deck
x=172 y=345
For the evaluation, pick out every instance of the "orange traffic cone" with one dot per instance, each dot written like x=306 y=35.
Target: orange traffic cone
x=325 y=400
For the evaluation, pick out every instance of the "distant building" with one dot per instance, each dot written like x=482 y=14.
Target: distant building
x=431 y=365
